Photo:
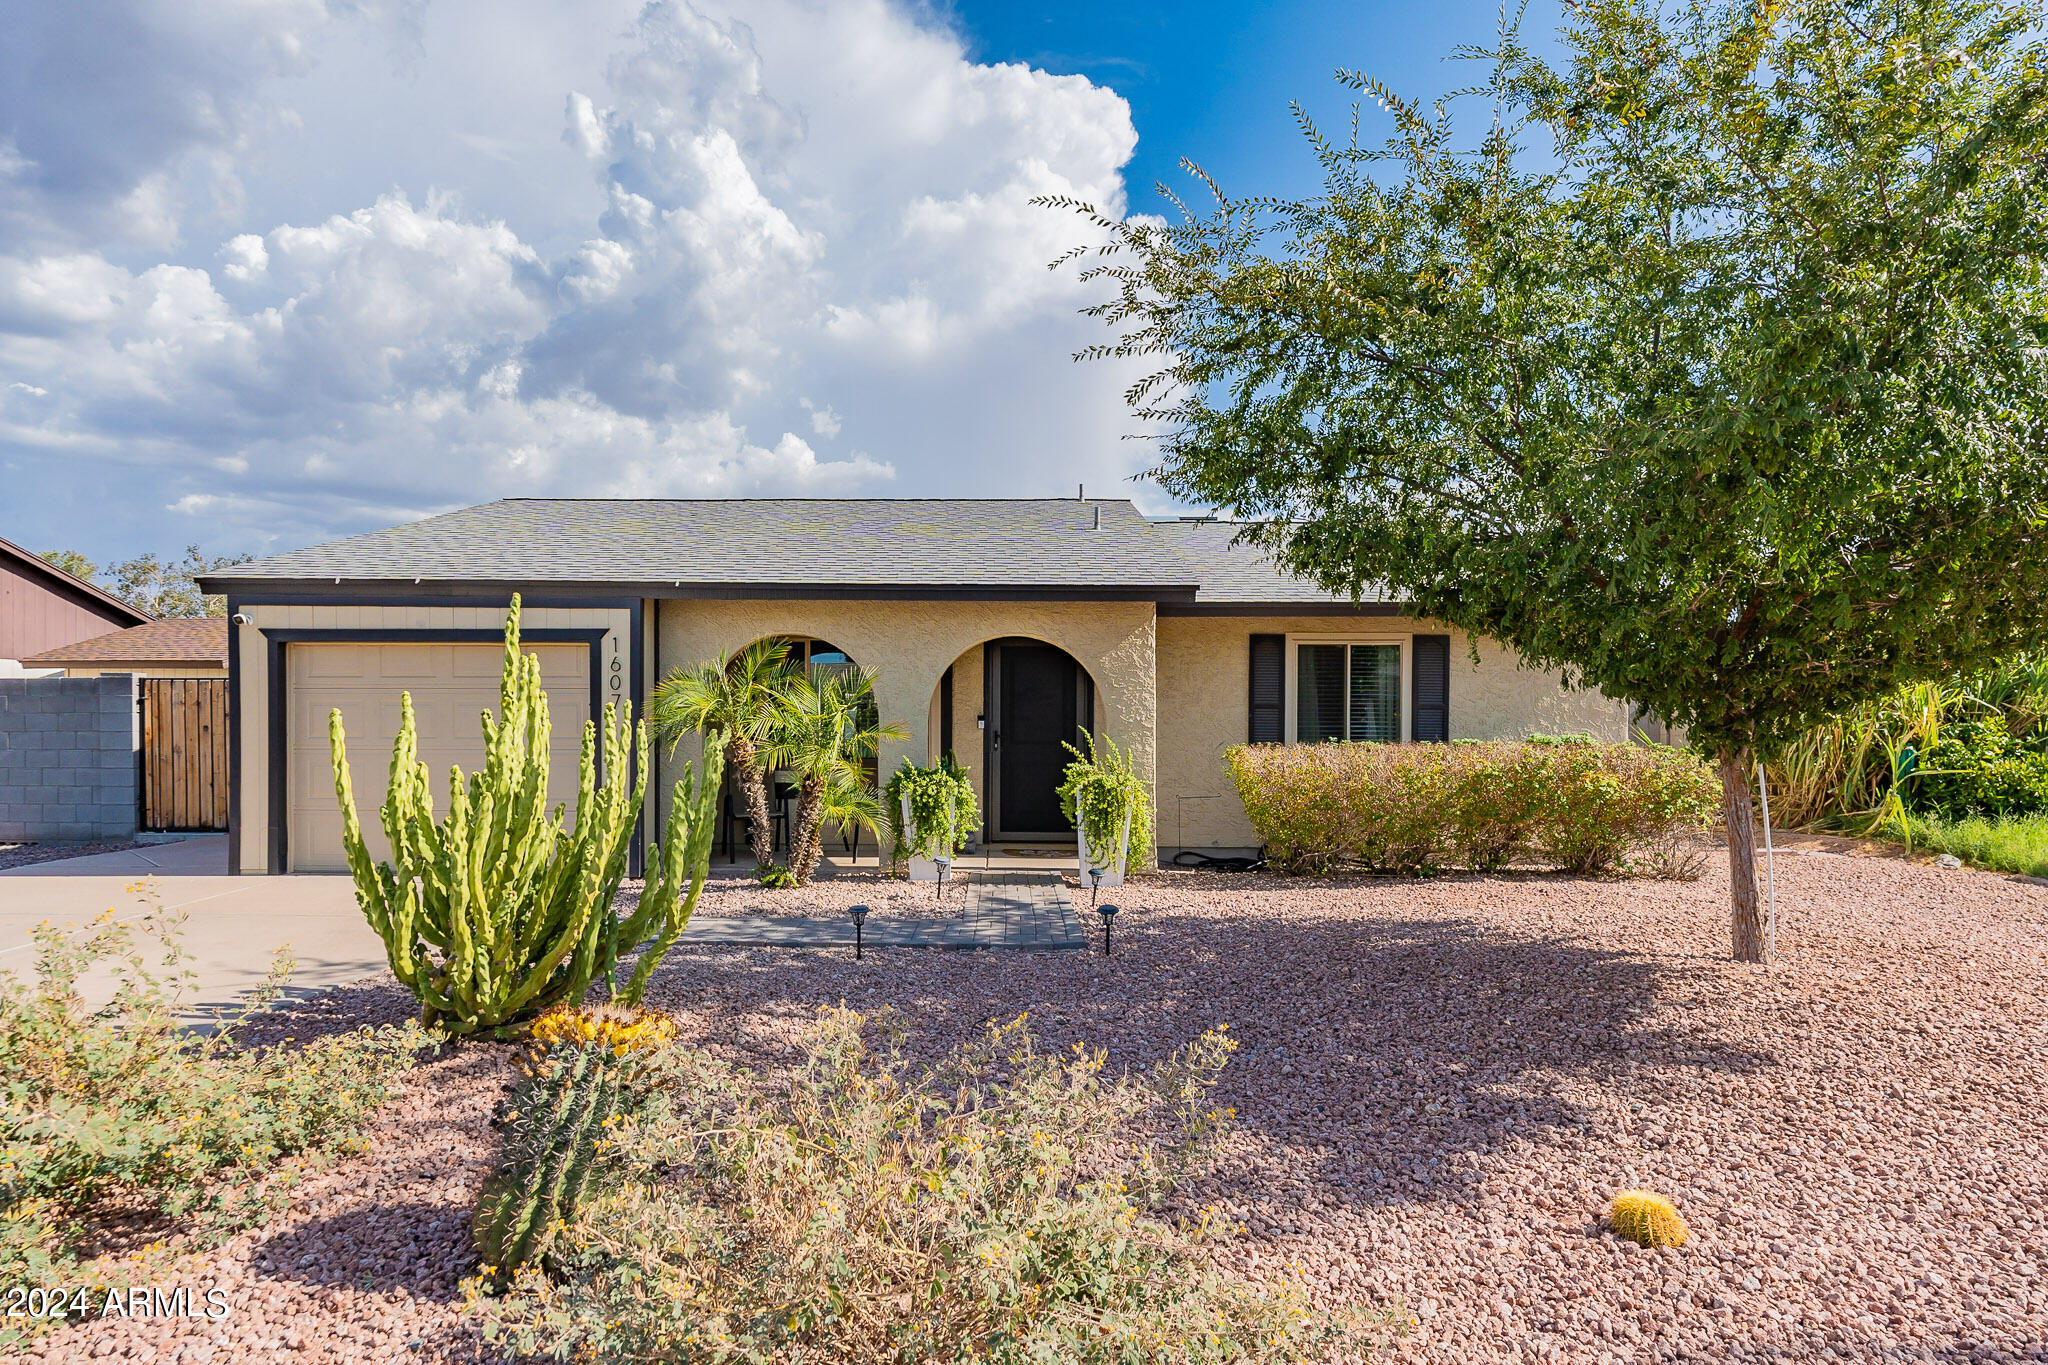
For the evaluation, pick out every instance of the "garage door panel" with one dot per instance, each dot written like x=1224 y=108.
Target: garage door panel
x=451 y=685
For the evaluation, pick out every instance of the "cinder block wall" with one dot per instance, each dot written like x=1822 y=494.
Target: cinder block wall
x=68 y=765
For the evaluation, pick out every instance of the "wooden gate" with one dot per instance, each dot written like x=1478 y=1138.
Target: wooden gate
x=184 y=753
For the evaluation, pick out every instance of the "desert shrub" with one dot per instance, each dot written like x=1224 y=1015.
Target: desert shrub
x=1413 y=808
x=120 y=1113
x=1978 y=767
x=1001 y=1206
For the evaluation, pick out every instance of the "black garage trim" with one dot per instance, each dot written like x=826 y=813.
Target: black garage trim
x=278 y=859
x=234 y=739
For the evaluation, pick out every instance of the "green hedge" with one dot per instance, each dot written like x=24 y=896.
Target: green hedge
x=1415 y=808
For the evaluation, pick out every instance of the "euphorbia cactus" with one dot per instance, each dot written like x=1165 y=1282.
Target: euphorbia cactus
x=502 y=910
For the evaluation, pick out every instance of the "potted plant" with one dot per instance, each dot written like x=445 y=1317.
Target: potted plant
x=931 y=811
x=1110 y=807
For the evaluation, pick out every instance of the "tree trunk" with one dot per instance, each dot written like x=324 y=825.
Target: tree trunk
x=806 y=829
x=753 y=785
x=1739 y=811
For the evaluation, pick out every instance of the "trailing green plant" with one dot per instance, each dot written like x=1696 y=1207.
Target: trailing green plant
x=1415 y=808
x=1001 y=1206
x=501 y=909
x=585 y=1071
x=1101 y=790
x=826 y=731
x=943 y=811
x=118 y=1117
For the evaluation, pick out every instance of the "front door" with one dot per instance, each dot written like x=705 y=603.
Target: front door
x=1038 y=699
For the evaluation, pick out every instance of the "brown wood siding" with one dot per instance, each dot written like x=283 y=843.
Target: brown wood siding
x=184 y=753
x=35 y=616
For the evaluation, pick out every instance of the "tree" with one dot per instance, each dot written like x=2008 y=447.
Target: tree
x=163 y=588
x=828 y=731
x=1726 y=399
x=169 y=588
x=73 y=563
x=740 y=697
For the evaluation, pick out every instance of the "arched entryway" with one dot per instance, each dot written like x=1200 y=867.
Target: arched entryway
x=1006 y=710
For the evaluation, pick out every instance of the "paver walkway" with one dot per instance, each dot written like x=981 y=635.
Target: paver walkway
x=1004 y=910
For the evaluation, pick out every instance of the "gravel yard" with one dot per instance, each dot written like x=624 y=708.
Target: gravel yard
x=1441 y=1084
x=22 y=855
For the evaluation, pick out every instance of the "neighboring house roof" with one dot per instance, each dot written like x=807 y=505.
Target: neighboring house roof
x=1239 y=572
x=843 y=546
x=181 y=643
x=56 y=580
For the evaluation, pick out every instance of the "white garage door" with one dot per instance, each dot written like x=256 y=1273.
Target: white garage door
x=450 y=685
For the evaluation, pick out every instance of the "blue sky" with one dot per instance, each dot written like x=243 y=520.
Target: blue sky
x=274 y=271
x=1213 y=81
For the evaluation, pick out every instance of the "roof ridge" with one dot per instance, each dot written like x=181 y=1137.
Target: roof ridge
x=907 y=498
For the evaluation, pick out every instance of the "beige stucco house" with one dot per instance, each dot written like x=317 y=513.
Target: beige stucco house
x=998 y=628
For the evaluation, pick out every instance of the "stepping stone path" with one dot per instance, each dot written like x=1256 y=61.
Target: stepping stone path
x=1003 y=910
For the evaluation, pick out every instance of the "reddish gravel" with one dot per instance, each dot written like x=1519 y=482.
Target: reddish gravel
x=22 y=855
x=1441 y=1085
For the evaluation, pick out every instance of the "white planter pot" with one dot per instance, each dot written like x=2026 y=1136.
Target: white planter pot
x=921 y=869
x=1093 y=877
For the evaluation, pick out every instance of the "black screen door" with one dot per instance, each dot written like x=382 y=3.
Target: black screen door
x=1038 y=697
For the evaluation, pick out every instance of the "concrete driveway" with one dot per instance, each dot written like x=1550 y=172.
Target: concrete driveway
x=233 y=925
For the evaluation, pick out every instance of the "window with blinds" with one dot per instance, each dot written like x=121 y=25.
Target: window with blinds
x=1347 y=692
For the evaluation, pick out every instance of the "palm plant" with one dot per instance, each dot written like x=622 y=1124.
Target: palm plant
x=740 y=696
x=828 y=730
x=853 y=805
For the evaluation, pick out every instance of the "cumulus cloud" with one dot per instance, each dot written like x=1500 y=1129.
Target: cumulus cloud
x=802 y=221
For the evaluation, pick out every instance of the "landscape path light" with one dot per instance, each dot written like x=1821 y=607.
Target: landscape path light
x=860 y=917
x=1106 y=911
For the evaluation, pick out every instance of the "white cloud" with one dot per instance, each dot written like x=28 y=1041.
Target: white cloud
x=811 y=219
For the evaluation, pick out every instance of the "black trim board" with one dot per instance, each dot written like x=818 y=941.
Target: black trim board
x=277 y=851
x=466 y=592
x=1296 y=609
x=234 y=739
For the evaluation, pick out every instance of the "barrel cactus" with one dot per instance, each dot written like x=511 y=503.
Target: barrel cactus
x=584 y=1074
x=1647 y=1219
x=501 y=909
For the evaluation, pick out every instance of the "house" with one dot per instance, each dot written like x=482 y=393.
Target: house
x=44 y=608
x=195 y=647
x=998 y=628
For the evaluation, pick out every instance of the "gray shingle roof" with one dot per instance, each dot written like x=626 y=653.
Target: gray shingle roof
x=843 y=542
x=1240 y=572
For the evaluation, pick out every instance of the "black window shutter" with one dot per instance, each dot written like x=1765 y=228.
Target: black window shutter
x=1267 y=723
x=946 y=712
x=1433 y=688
